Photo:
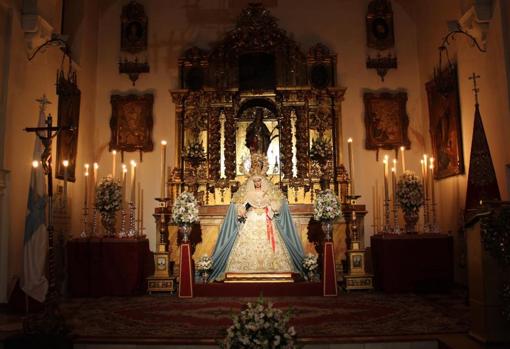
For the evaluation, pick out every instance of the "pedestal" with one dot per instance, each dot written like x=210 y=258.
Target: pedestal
x=329 y=271
x=356 y=278
x=185 y=272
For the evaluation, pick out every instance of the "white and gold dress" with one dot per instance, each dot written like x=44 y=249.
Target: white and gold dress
x=258 y=247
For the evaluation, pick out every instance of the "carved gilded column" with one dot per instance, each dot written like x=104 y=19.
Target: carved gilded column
x=337 y=96
x=286 y=142
x=214 y=143
x=230 y=144
x=178 y=98
x=302 y=142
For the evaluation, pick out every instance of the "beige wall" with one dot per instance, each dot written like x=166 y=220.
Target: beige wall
x=27 y=81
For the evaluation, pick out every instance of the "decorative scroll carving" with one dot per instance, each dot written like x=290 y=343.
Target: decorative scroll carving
x=322 y=66
x=321 y=116
x=214 y=144
x=302 y=142
x=230 y=144
x=286 y=142
x=213 y=86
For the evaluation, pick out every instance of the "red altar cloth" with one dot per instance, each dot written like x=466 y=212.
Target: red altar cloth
x=407 y=263
x=108 y=267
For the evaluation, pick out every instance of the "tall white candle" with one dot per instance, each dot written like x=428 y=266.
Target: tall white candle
x=66 y=165
x=114 y=156
x=351 y=161
x=133 y=180
x=402 y=150
x=163 y=168
x=141 y=212
x=86 y=180
x=35 y=165
x=124 y=183
x=96 y=167
x=425 y=176
x=394 y=185
x=139 y=192
x=432 y=180
x=385 y=161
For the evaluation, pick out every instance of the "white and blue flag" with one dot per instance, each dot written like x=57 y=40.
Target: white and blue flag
x=34 y=282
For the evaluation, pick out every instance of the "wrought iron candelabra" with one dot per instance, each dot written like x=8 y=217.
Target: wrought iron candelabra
x=132 y=228
x=85 y=223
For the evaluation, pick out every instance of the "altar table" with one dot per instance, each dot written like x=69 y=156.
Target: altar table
x=407 y=263
x=108 y=267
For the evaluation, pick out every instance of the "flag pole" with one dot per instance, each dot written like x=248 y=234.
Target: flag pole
x=51 y=322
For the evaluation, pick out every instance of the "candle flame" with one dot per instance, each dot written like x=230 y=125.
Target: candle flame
x=124 y=167
x=114 y=152
x=394 y=162
x=65 y=163
x=35 y=164
x=96 y=165
x=393 y=169
x=86 y=166
x=402 y=148
x=349 y=140
x=133 y=163
x=163 y=142
x=86 y=173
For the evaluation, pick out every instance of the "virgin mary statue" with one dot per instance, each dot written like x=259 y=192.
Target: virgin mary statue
x=257 y=235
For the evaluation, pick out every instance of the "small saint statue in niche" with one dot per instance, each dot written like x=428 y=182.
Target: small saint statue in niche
x=258 y=136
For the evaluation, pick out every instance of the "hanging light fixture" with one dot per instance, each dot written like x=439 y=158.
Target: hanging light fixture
x=444 y=74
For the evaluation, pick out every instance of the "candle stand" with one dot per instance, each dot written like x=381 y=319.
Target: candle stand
x=163 y=279
x=132 y=229
x=355 y=277
x=85 y=222
x=122 y=232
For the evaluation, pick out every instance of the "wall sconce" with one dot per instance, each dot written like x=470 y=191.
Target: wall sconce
x=133 y=68
x=444 y=74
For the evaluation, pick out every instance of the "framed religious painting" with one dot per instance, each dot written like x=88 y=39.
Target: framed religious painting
x=69 y=96
x=131 y=123
x=386 y=120
x=445 y=129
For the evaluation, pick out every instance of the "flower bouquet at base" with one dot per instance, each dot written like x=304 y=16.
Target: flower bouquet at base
x=185 y=213
x=204 y=265
x=108 y=202
x=259 y=325
x=310 y=266
x=410 y=198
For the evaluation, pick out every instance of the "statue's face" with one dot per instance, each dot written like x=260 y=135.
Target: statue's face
x=257 y=183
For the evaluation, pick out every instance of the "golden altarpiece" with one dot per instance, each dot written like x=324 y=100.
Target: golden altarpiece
x=257 y=69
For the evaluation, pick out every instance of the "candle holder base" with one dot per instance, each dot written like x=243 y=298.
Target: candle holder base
x=351 y=199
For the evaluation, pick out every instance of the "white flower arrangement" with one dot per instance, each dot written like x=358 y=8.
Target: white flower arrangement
x=185 y=209
x=310 y=262
x=326 y=206
x=321 y=149
x=204 y=263
x=260 y=325
x=108 y=196
x=195 y=152
x=409 y=192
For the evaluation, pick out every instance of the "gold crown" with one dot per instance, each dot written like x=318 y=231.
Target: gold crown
x=259 y=164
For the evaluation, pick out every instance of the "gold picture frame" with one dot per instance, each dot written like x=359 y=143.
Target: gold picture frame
x=386 y=120
x=357 y=262
x=131 y=123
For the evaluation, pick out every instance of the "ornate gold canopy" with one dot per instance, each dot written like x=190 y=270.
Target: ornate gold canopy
x=257 y=67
